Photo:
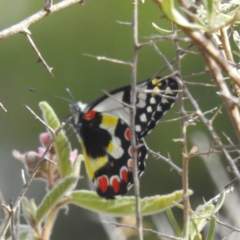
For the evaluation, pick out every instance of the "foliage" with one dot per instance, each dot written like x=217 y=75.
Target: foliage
x=206 y=25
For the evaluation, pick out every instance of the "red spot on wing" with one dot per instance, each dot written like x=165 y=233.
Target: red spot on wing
x=115 y=184
x=124 y=174
x=130 y=152
x=102 y=183
x=127 y=134
x=88 y=116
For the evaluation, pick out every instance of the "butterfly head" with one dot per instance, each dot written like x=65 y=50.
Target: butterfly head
x=77 y=111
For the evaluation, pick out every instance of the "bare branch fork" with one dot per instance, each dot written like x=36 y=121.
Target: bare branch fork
x=22 y=27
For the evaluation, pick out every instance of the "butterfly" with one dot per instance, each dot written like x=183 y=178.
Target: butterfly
x=103 y=128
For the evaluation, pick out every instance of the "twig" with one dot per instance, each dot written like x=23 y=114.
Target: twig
x=1 y=105
x=27 y=33
x=47 y=5
x=19 y=27
x=144 y=229
x=216 y=62
x=132 y=119
x=185 y=155
x=23 y=176
x=27 y=184
x=199 y=84
x=112 y=60
x=39 y=119
x=158 y=38
x=235 y=229
x=191 y=117
x=124 y=23
x=194 y=74
x=212 y=132
x=168 y=160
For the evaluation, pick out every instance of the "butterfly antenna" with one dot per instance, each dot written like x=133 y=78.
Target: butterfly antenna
x=49 y=95
x=70 y=94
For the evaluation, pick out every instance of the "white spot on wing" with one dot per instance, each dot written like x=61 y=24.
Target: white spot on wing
x=164 y=100
x=143 y=117
x=168 y=90
x=117 y=151
x=152 y=100
x=142 y=99
x=138 y=128
x=159 y=108
x=149 y=109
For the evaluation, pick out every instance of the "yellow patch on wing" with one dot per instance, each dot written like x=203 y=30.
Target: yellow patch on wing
x=109 y=121
x=110 y=147
x=93 y=164
x=155 y=81
x=114 y=148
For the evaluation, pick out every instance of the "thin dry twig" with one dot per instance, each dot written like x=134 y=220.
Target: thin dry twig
x=144 y=229
x=27 y=33
x=173 y=37
x=39 y=119
x=132 y=119
x=112 y=60
x=48 y=4
x=168 y=160
x=199 y=84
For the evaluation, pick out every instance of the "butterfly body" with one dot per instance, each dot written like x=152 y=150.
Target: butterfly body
x=103 y=128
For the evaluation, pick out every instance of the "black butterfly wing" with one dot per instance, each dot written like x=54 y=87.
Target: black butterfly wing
x=105 y=136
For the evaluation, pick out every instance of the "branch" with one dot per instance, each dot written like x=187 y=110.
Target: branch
x=132 y=119
x=21 y=26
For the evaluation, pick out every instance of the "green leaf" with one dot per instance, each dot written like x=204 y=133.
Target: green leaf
x=199 y=219
x=174 y=224
x=161 y=30
x=125 y=206
x=174 y=15
x=209 y=5
x=29 y=210
x=61 y=144
x=212 y=226
x=54 y=196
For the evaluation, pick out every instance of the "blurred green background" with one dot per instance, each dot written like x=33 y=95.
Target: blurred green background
x=63 y=38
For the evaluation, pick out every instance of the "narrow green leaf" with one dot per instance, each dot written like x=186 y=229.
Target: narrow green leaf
x=161 y=30
x=54 y=196
x=173 y=222
x=61 y=144
x=209 y=5
x=125 y=206
x=212 y=228
x=174 y=15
